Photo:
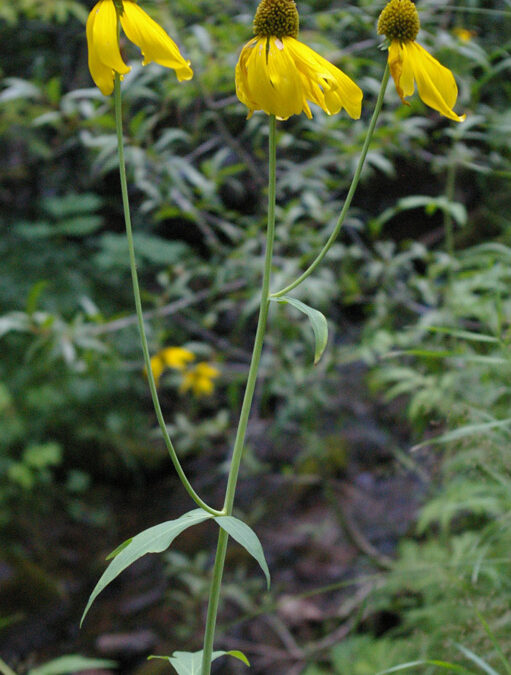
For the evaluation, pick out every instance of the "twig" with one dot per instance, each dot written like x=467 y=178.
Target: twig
x=166 y=310
x=287 y=639
x=223 y=344
x=354 y=534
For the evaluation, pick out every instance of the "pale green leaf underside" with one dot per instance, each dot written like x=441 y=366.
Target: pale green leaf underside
x=190 y=663
x=71 y=664
x=153 y=540
x=245 y=536
x=428 y=662
x=318 y=322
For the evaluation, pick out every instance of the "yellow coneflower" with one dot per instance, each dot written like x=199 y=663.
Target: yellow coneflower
x=410 y=63
x=280 y=75
x=103 y=42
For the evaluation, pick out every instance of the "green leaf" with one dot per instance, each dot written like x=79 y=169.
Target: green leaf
x=153 y=540
x=72 y=204
x=463 y=432
x=71 y=664
x=245 y=536
x=427 y=662
x=114 y=250
x=120 y=548
x=4 y=668
x=15 y=321
x=190 y=663
x=490 y=634
x=476 y=659
x=79 y=225
x=318 y=322
x=34 y=295
x=464 y=334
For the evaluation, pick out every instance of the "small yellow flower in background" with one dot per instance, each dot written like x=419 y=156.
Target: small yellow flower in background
x=170 y=357
x=410 y=63
x=103 y=42
x=176 y=357
x=199 y=379
x=279 y=75
x=157 y=368
x=463 y=34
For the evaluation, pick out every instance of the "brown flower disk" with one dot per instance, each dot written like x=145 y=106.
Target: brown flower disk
x=399 y=20
x=276 y=17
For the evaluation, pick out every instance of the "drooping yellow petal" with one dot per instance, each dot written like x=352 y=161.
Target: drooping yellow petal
x=103 y=46
x=401 y=71
x=436 y=84
x=280 y=76
x=267 y=80
x=323 y=83
x=153 y=41
x=410 y=63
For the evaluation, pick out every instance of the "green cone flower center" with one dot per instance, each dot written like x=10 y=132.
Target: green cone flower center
x=276 y=17
x=399 y=20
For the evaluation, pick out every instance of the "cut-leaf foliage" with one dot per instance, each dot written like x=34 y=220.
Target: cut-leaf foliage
x=318 y=322
x=245 y=536
x=190 y=663
x=153 y=540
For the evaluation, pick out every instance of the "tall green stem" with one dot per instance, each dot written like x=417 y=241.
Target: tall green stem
x=350 y=194
x=138 y=306
x=239 y=442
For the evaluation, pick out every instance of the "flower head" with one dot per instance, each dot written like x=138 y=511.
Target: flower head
x=200 y=379
x=176 y=357
x=280 y=75
x=103 y=42
x=410 y=63
x=463 y=34
x=170 y=357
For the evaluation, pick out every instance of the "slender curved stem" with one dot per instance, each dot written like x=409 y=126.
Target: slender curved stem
x=239 y=442
x=138 y=307
x=349 y=196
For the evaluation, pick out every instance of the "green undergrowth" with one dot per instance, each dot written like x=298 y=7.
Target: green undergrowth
x=448 y=589
x=433 y=315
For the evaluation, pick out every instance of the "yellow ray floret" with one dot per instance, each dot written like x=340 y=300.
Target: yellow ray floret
x=410 y=63
x=177 y=357
x=199 y=379
x=102 y=38
x=282 y=75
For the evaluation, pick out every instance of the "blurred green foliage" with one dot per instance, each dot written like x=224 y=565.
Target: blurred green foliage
x=432 y=322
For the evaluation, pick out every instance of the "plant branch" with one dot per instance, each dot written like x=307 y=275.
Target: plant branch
x=349 y=197
x=138 y=306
